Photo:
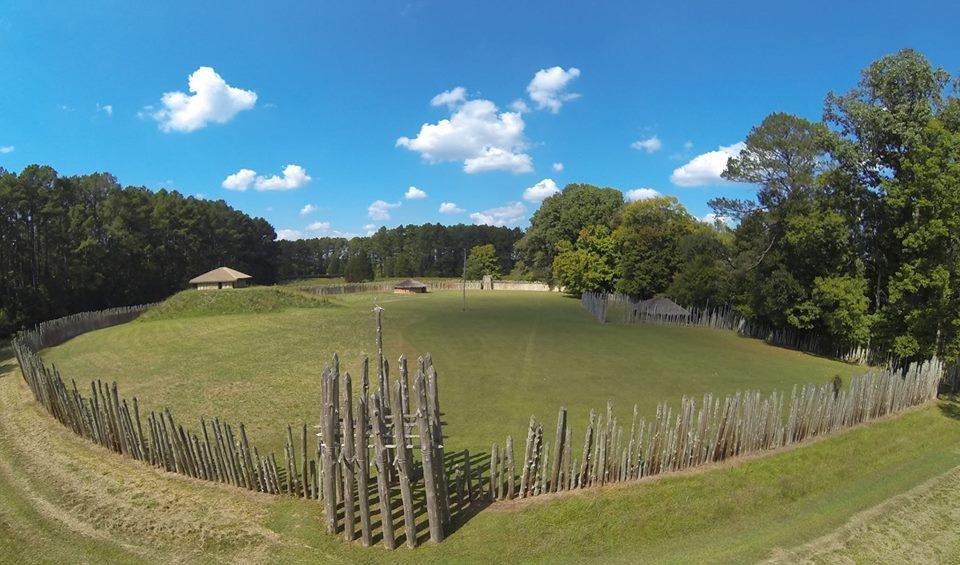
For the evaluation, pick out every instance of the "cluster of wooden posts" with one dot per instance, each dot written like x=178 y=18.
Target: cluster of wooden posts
x=740 y=424
x=356 y=459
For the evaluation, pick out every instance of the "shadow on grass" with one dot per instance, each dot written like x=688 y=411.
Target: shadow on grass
x=950 y=406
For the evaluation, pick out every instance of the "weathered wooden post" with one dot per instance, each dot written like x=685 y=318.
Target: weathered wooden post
x=361 y=451
x=558 y=454
x=383 y=463
x=329 y=423
x=349 y=478
x=405 y=466
x=434 y=512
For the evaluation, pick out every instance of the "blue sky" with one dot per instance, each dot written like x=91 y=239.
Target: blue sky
x=342 y=92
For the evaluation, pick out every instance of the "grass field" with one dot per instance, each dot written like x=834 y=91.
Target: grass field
x=508 y=356
x=64 y=499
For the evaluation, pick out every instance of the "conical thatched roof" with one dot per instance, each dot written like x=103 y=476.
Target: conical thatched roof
x=661 y=307
x=409 y=283
x=220 y=275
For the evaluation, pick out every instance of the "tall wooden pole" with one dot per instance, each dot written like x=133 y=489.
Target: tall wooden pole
x=464 y=279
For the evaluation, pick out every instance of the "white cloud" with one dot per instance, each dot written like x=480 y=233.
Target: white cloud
x=450 y=208
x=105 y=108
x=540 y=191
x=308 y=209
x=319 y=226
x=380 y=210
x=711 y=218
x=478 y=134
x=212 y=100
x=558 y=167
x=650 y=145
x=414 y=193
x=507 y=215
x=6 y=149
x=496 y=159
x=294 y=176
x=707 y=167
x=240 y=180
x=519 y=106
x=289 y=235
x=450 y=98
x=641 y=194
x=370 y=229
x=548 y=87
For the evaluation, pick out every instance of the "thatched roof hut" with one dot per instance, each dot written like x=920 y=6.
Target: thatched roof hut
x=661 y=306
x=220 y=278
x=409 y=286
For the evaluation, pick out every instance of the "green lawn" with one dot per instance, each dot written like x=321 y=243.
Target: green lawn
x=510 y=355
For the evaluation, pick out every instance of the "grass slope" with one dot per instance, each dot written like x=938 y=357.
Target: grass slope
x=62 y=498
x=253 y=300
x=510 y=355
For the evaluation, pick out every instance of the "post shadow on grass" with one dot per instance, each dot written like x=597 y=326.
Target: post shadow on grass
x=950 y=406
x=467 y=499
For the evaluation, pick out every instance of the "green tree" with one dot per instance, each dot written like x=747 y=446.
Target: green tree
x=588 y=266
x=483 y=261
x=560 y=218
x=648 y=244
x=358 y=267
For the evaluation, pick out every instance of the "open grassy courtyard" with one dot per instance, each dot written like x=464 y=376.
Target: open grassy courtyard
x=509 y=355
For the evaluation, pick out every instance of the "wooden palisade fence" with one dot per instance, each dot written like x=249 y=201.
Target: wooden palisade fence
x=360 y=455
x=373 y=442
x=739 y=424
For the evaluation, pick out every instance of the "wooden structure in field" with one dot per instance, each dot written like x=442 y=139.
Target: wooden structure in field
x=221 y=278
x=409 y=286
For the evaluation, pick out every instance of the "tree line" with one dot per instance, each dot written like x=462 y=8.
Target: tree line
x=854 y=232
x=70 y=244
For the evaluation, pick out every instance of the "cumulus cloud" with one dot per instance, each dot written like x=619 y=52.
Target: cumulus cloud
x=414 y=193
x=476 y=133
x=319 y=227
x=706 y=168
x=308 y=209
x=450 y=208
x=540 y=191
x=496 y=159
x=642 y=193
x=450 y=98
x=240 y=180
x=289 y=235
x=507 y=215
x=650 y=145
x=558 y=167
x=294 y=176
x=380 y=210
x=211 y=100
x=7 y=149
x=548 y=87
x=105 y=108
x=519 y=106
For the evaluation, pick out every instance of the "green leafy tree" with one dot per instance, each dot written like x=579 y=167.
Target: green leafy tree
x=648 y=244
x=560 y=218
x=591 y=265
x=358 y=267
x=482 y=261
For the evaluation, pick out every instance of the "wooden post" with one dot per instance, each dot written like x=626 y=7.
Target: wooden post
x=434 y=513
x=511 y=470
x=383 y=463
x=363 y=466
x=405 y=465
x=329 y=423
x=558 y=454
x=349 y=478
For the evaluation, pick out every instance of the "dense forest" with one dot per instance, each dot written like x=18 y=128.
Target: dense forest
x=854 y=232
x=429 y=250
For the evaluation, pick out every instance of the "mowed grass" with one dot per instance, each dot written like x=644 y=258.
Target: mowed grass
x=62 y=498
x=508 y=356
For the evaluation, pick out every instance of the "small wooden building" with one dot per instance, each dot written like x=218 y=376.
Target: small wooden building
x=409 y=286
x=220 y=278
